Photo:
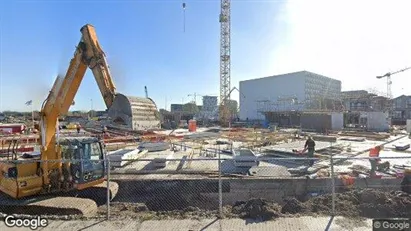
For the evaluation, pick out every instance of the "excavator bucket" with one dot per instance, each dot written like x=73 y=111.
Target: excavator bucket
x=135 y=113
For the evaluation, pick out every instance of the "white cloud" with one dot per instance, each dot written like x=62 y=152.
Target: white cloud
x=353 y=41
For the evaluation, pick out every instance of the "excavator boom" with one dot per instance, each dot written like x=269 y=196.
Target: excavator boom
x=50 y=174
x=19 y=179
x=95 y=58
x=134 y=112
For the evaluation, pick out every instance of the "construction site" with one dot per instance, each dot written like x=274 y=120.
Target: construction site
x=250 y=159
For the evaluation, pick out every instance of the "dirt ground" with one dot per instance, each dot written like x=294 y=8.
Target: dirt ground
x=364 y=203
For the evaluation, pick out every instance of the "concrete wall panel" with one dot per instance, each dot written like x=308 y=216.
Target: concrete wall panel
x=316 y=121
x=337 y=121
x=377 y=121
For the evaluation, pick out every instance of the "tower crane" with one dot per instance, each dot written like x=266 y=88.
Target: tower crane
x=389 y=82
x=225 y=57
x=194 y=97
x=225 y=60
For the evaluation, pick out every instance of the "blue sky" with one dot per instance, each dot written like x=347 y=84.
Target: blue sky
x=146 y=46
x=144 y=42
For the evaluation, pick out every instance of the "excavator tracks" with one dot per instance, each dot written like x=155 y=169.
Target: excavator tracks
x=80 y=204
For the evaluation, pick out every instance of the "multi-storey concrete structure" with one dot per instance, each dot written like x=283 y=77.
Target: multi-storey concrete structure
x=401 y=108
x=294 y=91
x=362 y=100
x=176 y=107
x=210 y=103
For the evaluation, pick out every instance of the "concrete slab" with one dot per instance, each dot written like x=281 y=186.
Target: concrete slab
x=154 y=147
x=117 y=157
x=288 y=147
x=285 y=224
x=340 y=149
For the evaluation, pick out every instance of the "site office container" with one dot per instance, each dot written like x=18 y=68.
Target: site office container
x=12 y=128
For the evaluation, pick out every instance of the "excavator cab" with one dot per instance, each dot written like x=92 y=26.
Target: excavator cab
x=85 y=157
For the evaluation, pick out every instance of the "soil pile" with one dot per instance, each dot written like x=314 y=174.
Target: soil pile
x=365 y=203
x=293 y=206
x=354 y=204
x=257 y=209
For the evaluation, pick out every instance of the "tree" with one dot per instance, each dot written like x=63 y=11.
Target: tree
x=190 y=108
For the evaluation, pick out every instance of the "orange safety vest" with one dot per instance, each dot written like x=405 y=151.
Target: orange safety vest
x=374 y=152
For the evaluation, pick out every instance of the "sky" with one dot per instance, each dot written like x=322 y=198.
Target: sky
x=146 y=45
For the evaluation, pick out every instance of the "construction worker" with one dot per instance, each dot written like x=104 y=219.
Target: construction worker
x=78 y=127
x=310 y=146
x=406 y=181
x=376 y=163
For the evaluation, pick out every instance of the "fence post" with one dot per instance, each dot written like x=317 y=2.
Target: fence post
x=220 y=186
x=108 y=189
x=333 y=186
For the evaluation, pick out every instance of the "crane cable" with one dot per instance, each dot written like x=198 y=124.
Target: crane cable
x=184 y=16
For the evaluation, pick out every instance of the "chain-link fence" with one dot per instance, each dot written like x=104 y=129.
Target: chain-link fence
x=216 y=184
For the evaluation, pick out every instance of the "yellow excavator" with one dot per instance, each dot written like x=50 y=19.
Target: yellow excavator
x=66 y=163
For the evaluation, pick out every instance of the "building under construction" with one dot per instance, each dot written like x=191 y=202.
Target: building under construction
x=313 y=102
x=298 y=91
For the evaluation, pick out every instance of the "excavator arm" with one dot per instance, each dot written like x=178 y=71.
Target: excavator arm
x=58 y=103
x=95 y=59
x=88 y=54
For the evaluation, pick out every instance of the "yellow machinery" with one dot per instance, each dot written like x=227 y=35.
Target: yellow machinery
x=57 y=172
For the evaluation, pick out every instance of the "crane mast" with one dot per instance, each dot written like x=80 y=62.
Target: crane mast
x=225 y=53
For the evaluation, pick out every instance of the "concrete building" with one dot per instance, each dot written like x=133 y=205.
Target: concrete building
x=176 y=107
x=375 y=121
x=401 y=109
x=210 y=103
x=358 y=100
x=361 y=100
x=209 y=109
x=300 y=91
